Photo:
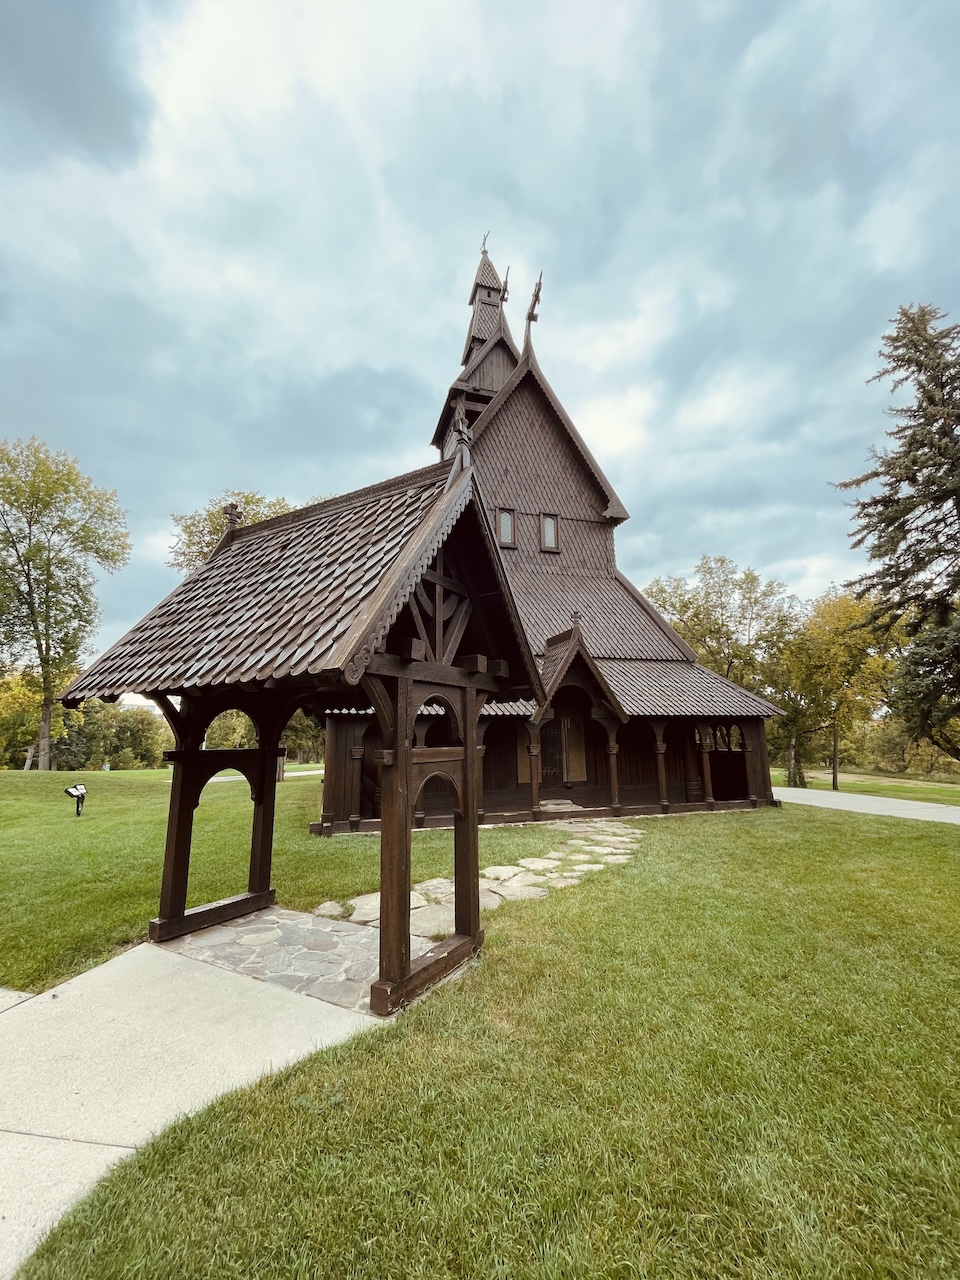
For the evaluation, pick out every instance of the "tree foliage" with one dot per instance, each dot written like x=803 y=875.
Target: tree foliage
x=55 y=523
x=910 y=522
x=198 y=532
x=833 y=671
x=736 y=623
x=111 y=734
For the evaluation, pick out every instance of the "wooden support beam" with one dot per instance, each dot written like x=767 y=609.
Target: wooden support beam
x=466 y=840
x=387 y=996
x=162 y=929
x=395 y=846
x=385 y=664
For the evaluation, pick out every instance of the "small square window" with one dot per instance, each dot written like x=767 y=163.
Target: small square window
x=549 y=533
x=506 y=528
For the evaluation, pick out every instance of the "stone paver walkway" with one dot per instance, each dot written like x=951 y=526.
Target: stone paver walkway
x=334 y=959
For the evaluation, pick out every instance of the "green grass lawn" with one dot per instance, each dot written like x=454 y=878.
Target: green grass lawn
x=735 y=1057
x=877 y=785
x=73 y=891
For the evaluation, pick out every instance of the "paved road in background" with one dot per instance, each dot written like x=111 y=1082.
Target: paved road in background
x=881 y=806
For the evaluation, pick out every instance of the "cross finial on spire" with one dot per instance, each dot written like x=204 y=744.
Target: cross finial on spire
x=483 y=245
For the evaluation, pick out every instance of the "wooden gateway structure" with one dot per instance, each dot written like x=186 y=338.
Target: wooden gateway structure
x=466 y=636
x=630 y=722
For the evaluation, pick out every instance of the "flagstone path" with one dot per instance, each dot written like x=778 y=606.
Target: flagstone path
x=335 y=959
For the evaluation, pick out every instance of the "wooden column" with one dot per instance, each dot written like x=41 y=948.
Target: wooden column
x=356 y=775
x=661 y=748
x=328 y=806
x=264 y=810
x=184 y=794
x=466 y=852
x=534 y=749
x=613 y=750
x=706 y=738
x=750 y=764
x=395 y=856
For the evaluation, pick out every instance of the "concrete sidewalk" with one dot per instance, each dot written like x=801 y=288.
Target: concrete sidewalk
x=91 y=1069
x=880 y=806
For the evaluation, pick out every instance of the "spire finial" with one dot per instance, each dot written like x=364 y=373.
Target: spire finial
x=483 y=244
x=532 y=316
x=505 y=291
x=234 y=516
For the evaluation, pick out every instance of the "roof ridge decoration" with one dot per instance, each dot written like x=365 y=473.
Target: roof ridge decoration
x=533 y=314
x=561 y=651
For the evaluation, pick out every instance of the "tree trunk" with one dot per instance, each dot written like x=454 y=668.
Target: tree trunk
x=836 y=754
x=28 y=763
x=43 y=756
x=795 y=775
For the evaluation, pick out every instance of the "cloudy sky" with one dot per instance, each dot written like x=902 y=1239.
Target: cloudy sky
x=237 y=239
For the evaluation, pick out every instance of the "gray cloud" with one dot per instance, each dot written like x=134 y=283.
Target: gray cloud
x=68 y=81
x=729 y=202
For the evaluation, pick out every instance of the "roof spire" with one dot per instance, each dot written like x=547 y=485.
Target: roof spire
x=487 y=297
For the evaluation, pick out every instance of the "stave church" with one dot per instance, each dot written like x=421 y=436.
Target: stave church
x=465 y=636
x=630 y=722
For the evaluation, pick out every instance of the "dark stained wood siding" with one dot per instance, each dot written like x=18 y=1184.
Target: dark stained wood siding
x=526 y=460
x=494 y=369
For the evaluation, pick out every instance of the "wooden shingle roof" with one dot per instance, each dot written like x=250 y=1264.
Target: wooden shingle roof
x=301 y=594
x=679 y=689
x=616 y=620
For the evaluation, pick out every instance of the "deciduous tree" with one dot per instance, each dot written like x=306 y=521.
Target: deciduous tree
x=736 y=623
x=55 y=524
x=198 y=532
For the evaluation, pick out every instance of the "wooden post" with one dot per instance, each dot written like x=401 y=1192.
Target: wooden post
x=534 y=749
x=356 y=775
x=705 y=743
x=613 y=749
x=264 y=809
x=466 y=853
x=395 y=855
x=661 y=749
x=327 y=807
x=184 y=794
x=750 y=763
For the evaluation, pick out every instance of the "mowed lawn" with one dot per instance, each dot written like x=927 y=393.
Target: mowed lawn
x=735 y=1057
x=74 y=891
x=889 y=787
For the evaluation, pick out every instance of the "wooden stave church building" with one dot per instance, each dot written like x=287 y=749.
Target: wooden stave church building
x=631 y=722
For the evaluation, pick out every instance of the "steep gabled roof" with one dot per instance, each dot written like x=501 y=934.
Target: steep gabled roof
x=529 y=368
x=311 y=592
x=617 y=621
x=560 y=654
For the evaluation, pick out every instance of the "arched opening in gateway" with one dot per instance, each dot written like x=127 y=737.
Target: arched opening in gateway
x=434 y=861
x=436 y=726
x=220 y=852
